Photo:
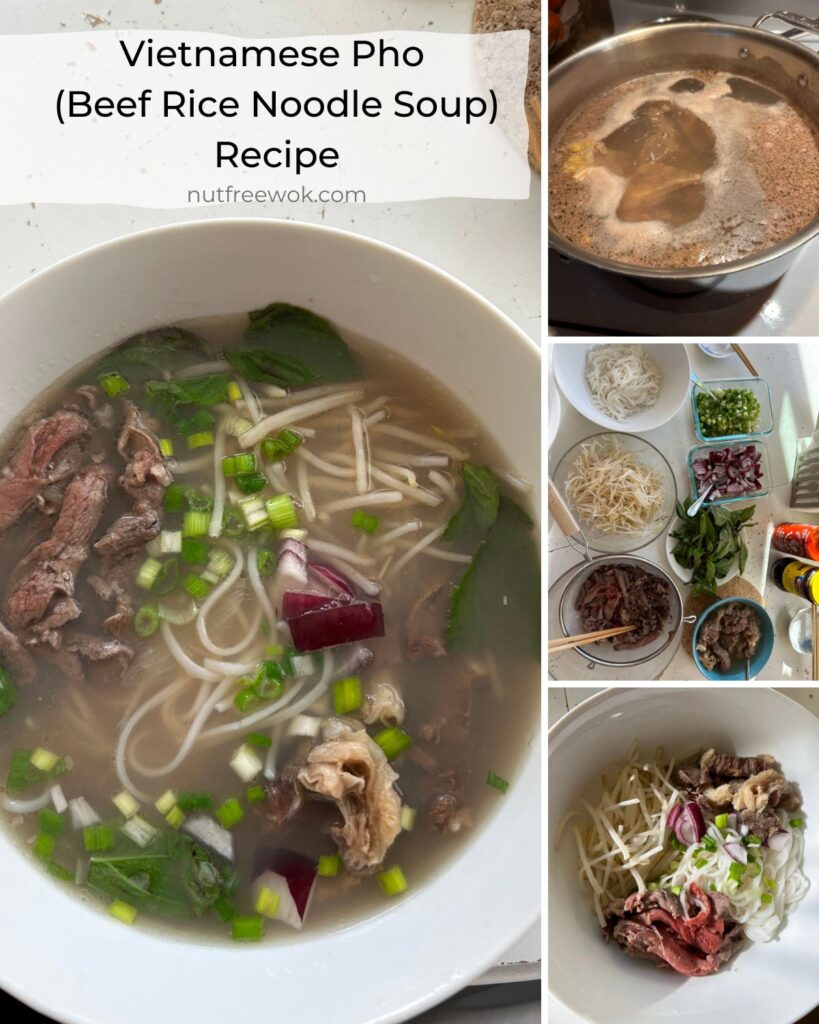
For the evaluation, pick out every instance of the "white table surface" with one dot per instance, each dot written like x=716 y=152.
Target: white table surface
x=562 y=700
x=791 y=370
x=493 y=246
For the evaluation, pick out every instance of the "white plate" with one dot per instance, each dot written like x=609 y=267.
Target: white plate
x=771 y=983
x=686 y=574
x=569 y=362
x=68 y=958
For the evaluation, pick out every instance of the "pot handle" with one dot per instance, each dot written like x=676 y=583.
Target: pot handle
x=797 y=20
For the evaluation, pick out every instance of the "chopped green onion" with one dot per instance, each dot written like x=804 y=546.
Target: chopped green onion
x=277 y=448
x=98 y=837
x=676 y=889
x=43 y=847
x=191 y=800
x=770 y=883
x=235 y=425
x=407 y=818
x=675 y=844
x=721 y=821
x=258 y=739
x=225 y=909
x=232 y=523
x=265 y=562
x=146 y=620
x=653 y=886
x=220 y=563
x=364 y=521
x=250 y=483
x=50 y=823
x=393 y=741
x=253 y=509
x=347 y=695
x=392 y=881
x=796 y=823
x=233 y=465
x=267 y=902
x=247 y=928
x=45 y=760
x=736 y=871
x=246 y=763
x=274 y=650
x=301 y=665
x=167 y=577
x=268 y=682
x=709 y=843
x=23 y=773
x=173 y=497
x=754 y=870
x=498 y=783
x=329 y=865
x=166 y=447
x=255 y=794
x=282 y=512
x=196 y=587
x=170 y=542
x=202 y=439
x=139 y=831
x=125 y=804
x=766 y=897
x=148 y=572
x=113 y=384
x=194 y=552
x=230 y=812
x=234 y=392
x=195 y=524
x=179 y=615
x=8 y=692
x=197 y=501
x=166 y=801
x=175 y=817
x=245 y=699
x=58 y=871
x=123 y=911
x=701 y=862
x=752 y=840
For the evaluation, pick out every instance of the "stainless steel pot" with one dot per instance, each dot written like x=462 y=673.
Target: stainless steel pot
x=785 y=65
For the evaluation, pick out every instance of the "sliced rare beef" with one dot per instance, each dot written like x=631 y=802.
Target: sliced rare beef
x=426 y=623
x=42 y=595
x=625 y=595
x=732 y=767
x=15 y=657
x=101 y=650
x=655 y=926
x=33 y=466
x=144 y=481
x=763 y=823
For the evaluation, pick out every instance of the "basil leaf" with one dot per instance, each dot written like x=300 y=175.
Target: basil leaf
x=497 y=603
x=479 y=509
x=8 y=692
x=292 y=347
x=159 y=349
x=147 y=882
x=207 y=390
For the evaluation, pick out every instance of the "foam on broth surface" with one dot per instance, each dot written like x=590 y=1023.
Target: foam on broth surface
x=83 y=721
x=762 y=188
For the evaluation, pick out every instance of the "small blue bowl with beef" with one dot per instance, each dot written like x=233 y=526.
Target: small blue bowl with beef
x=726 y=633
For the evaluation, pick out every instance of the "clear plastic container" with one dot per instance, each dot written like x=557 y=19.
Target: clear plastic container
x=760 y=389
x=700 y=450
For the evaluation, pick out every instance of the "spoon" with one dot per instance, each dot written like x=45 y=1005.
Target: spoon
x=694 y=508
x=703 y=387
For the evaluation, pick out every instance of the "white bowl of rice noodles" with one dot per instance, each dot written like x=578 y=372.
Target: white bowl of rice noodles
x=634 y=386
x=683 y=857
x=264 y=765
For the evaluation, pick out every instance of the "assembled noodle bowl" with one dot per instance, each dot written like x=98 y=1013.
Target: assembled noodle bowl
x=788 y=67
x=773 y=981
x=434 y=942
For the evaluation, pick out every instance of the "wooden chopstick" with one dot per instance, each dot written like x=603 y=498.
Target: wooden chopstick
x=566 y=643
x=815 y=643
x=748 y=364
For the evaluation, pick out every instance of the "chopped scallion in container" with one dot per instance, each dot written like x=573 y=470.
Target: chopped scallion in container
x=191 y=800
x=229 y=813
x=166 y=447
x=126 y=804
x=113 y=384
x=173 y=498
x=329 y=865
x=146 y=619
x=393 y=741
x=282 y=512
x=148 y=572
x=247 y=928
x=392 y=881
x=123 y=911
x=277 y=448
x=721 y=821
x=253 y=509
x=498 y=783
x=98 y=837
x=43 y=847
x=250 y=483
x=201 y=439
x=265 y=562
x=194 y=552
x=347 y=695
x=166 y=801
x=267 y=902
x=196 y=587
x=796 y=823
x=175 y=817
x=195 y=524
x=50 y=823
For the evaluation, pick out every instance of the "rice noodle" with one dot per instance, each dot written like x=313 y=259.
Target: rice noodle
x=622 y=380
x=184 y=660
x=214 y=596
x=128 y=728
x=612 y=491
x=430 y=538
x=37 y=803
x=258 y=587
x=303 y=411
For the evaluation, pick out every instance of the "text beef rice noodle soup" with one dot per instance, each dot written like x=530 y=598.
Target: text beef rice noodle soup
x=268 y=626
x=684 y=169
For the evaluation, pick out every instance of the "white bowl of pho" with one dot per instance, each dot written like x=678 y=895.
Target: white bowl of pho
x=268 y=698
x=624 y=386
x=683 y=864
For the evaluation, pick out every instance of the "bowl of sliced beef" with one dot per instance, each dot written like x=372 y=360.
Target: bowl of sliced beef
x=729 y=633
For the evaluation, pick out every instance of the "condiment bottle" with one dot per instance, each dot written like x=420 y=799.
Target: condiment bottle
x=797 y=539
x=796 y=578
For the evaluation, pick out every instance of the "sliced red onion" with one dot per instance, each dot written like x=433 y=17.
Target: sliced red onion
x=337 y=585
x=673 y=814
x=778 y=841
x=330 y=627
x=737 y=852
x=690 y=824
x=297 y=602
x=291 y=876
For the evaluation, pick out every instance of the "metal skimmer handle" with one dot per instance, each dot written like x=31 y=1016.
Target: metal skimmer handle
x=797 y=20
